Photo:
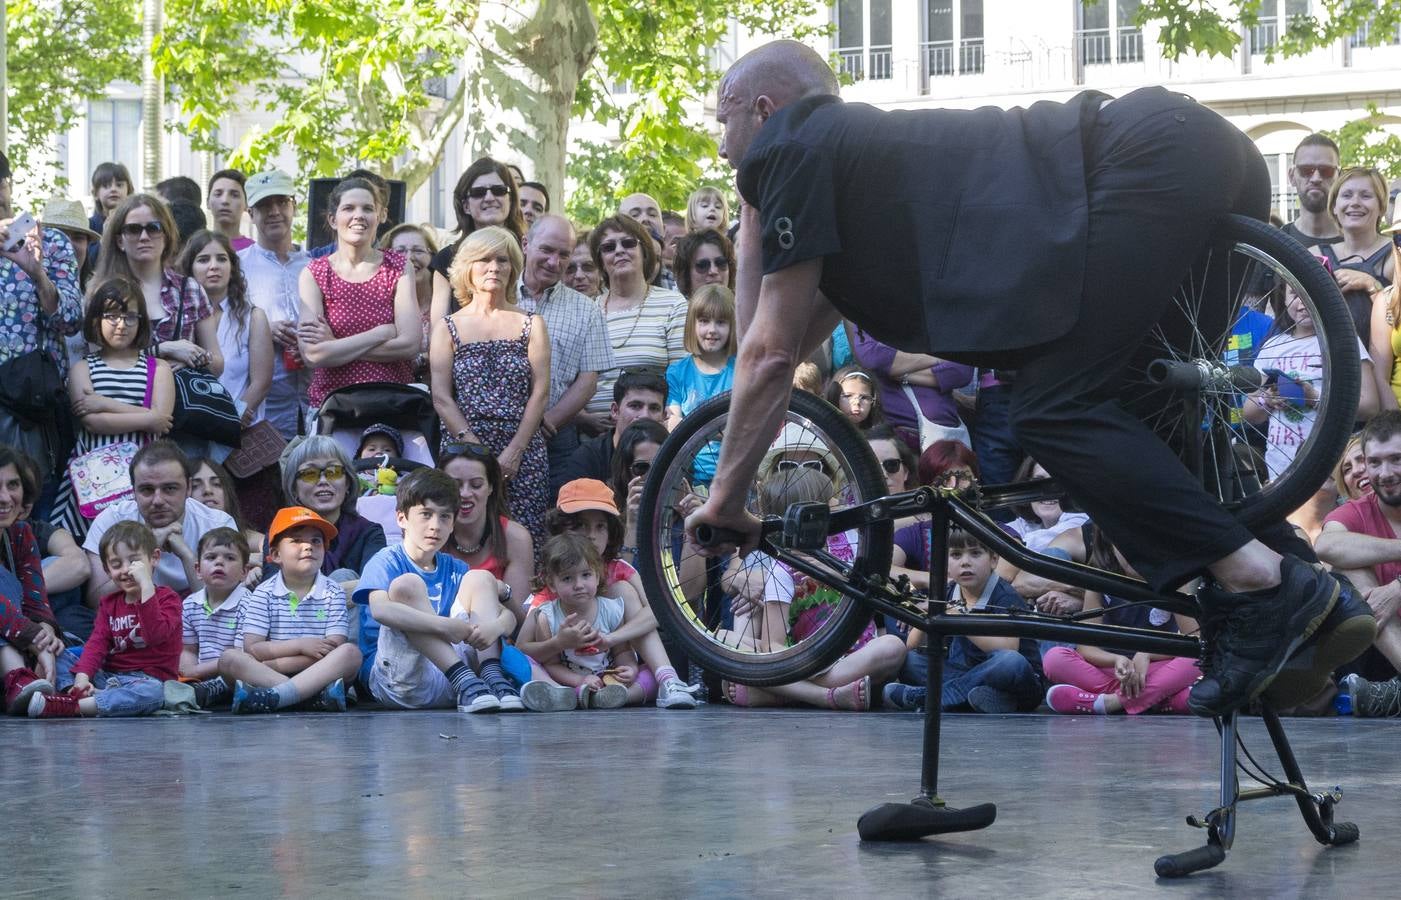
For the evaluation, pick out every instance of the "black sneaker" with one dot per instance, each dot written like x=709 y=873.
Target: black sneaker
x=1347 y=631
x=1258 y=635
x=1374 y=700
x=212 y=693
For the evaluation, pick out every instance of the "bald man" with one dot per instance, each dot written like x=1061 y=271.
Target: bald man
x=1048 y=240
x=648 y=212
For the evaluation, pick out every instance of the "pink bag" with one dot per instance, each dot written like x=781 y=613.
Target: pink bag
x=102 y=477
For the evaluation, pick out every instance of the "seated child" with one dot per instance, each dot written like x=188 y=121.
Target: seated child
x=1089 y=680
x=587 y=507
x=294 y=626
x=135 y=641
x=574 y=636
x=985 y=674
x=773 y=603
x=380 y=440
x=431 y=620
x=212 y=615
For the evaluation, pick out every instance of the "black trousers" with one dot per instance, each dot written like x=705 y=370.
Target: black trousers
x=1161 y=171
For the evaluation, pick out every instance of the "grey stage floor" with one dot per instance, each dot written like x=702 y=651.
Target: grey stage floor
x=642 y=803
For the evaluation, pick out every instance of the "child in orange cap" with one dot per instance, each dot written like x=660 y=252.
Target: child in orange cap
x=294 y=626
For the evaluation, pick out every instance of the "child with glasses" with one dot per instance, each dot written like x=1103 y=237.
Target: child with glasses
x=711 y=339
x=853 y=391
x=119 y=395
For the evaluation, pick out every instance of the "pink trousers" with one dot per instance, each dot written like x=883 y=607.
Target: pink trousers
x=1166 y=685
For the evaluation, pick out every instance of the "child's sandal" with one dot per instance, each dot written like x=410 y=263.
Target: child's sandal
x=736 y=693
x=856 y=695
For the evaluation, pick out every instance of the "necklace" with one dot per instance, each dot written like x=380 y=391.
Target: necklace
x=470 y=551
x=635 y=319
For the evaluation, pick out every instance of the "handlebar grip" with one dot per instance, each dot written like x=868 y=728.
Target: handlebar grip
x=1175 y=865
x=710 y=536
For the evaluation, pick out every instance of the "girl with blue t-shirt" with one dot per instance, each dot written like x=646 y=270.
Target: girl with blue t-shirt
x=711 y=340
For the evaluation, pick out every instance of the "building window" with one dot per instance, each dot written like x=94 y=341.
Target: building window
x=863 y=38
x=114 y=133
x=1366 y=34
x=1264 y=35
x=1283 y=198
x=1108 y=33
x=953 y=38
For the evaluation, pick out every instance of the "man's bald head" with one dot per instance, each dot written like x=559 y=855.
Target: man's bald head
x=645 y=209
x=763 y=81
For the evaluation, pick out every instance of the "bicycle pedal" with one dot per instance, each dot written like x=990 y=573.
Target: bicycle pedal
x=805 y=526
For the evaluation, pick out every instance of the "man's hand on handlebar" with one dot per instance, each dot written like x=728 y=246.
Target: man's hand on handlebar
x=727 y=531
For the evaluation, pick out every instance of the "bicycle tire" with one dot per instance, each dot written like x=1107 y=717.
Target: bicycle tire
x=660 y=522
x=1234 y=475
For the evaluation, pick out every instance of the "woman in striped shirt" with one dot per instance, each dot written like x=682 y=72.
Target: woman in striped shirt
x=646 y=324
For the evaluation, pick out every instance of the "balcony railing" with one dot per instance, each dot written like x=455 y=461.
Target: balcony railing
x=862 y=63
x=1098 y=47
x=1362 y=37
x=943 y=58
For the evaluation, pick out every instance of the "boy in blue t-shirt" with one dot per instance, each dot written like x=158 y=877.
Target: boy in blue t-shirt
x=431 y=620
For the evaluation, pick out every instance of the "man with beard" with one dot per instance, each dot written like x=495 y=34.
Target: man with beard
x=1362 y=539
x=1316 y=162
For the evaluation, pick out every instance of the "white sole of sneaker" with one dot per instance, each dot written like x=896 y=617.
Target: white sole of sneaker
x=483 y=704
x=510 y=703
x=21 y=705
x=610 y=696
x=541 y=696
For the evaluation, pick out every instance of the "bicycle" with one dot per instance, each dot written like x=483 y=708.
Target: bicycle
x=1189 y=377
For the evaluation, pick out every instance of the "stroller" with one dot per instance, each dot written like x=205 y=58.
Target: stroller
x=346 y=413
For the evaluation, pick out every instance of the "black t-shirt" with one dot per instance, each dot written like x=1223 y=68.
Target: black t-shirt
x=592 y=459
x=903 y=207
x=1308 y=240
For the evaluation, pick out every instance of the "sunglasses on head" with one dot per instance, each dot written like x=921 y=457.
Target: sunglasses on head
x=627 y=243
x=1324 y=171
x=640 y=468
x=136 y=229
x=478 y=451
x=313 y=475
x=703 y=265
x=790 y=465
x=495 y=190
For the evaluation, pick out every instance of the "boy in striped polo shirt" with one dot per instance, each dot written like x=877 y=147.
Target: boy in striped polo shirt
x=211 y=615
x=294 y=626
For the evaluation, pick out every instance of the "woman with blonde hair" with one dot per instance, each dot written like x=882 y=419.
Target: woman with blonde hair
x=489 y=366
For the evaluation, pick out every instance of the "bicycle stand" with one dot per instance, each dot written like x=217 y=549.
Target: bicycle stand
x=928 y=814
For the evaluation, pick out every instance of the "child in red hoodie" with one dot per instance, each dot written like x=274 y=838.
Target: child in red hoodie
x=135 y=642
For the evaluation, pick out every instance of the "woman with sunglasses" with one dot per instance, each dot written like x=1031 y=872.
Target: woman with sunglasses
x=486 y=194
x=140 y=243
x=317 y=474
x=646 y=324
x=1361 y=261
x=703 y=257
x=489 y=365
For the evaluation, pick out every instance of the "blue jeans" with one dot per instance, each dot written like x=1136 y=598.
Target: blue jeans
x=997 y=449
x=117 y=693
x=1006 y=670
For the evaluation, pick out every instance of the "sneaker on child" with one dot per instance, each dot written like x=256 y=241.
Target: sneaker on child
x=545 y=696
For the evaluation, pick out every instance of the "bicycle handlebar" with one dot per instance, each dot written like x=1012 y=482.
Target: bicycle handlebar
x=710 y=536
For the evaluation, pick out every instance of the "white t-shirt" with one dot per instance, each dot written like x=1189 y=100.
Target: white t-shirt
x=169 y=572
x=1300 y=359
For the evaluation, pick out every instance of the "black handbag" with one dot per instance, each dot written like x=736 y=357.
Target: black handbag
x=30 y=386
x=204 y=408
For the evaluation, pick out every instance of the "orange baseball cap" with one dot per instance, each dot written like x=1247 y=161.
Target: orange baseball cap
x=293 y=516
x=587 y=493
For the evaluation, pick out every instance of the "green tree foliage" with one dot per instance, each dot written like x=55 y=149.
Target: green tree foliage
x=1194 y=26
x=1364 y=142
x=62 y=53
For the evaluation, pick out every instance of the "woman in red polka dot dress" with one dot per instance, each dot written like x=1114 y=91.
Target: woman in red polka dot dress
x=359 y=313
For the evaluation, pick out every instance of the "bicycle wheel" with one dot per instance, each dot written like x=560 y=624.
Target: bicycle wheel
x=1190 y=379
x=817 y=456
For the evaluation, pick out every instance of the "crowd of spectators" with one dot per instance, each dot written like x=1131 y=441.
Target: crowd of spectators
x=148 y=565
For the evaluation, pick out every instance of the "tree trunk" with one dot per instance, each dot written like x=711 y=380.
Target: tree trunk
x=522 y=73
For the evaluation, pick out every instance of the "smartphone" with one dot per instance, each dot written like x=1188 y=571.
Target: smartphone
x=19 y=228
x=1290 y=389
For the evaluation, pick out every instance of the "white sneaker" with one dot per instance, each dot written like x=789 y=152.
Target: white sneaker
x=675 y=694
x=542 y=696
x=483 y=702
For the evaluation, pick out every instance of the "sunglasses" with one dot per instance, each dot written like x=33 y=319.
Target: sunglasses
x=627 y=243
x=479 y=451
x=791 y=465
x=891 y=466
x=495 y=190
x=703 y=265
x=333 y=472
x=640 y=468
x=1324 y=171
x=136 y=229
